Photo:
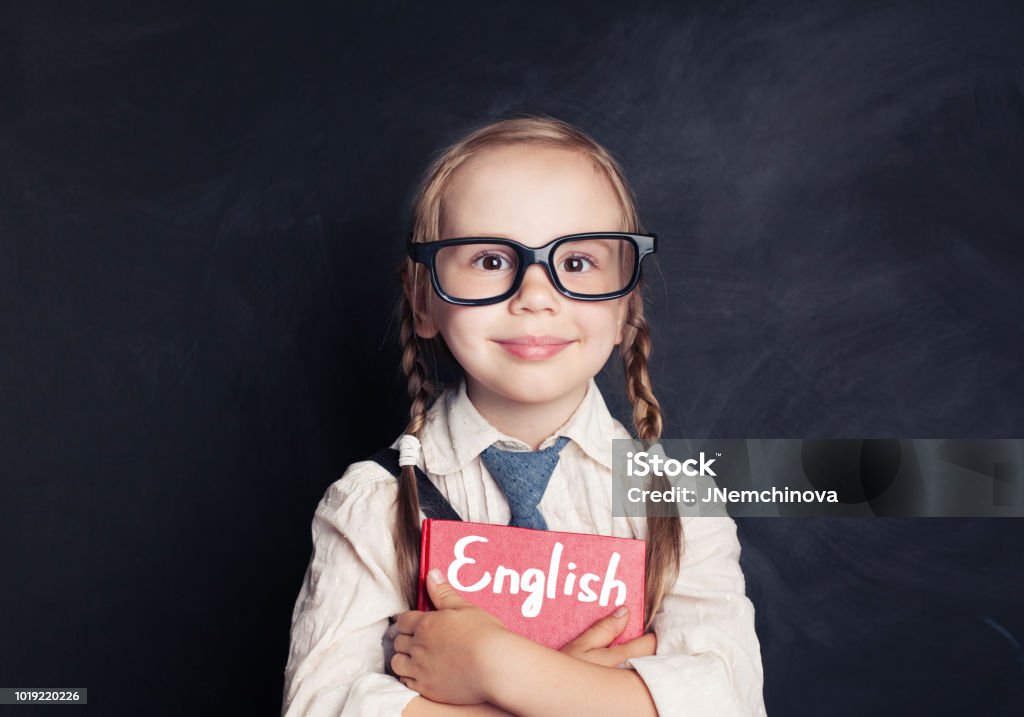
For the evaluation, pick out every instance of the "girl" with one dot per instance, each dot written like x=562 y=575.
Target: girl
x=526 y=331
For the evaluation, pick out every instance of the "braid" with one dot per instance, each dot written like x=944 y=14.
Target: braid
x=663 y=549
x=421 y=392
x=636 y=348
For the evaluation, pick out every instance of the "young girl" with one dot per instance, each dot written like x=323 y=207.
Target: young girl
x=527 y=332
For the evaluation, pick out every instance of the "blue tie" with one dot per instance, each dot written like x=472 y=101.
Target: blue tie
x=523 y=476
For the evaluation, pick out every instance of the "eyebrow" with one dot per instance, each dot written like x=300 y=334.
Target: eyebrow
x=495 y=235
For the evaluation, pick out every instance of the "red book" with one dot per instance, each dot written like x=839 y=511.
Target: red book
x=546 y=585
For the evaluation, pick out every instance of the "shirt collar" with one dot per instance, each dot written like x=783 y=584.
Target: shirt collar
x=456 y=433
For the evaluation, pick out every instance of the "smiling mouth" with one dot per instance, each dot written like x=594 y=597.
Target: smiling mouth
x=535 y=341
x=534 y=348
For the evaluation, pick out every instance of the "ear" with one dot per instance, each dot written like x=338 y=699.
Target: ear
x=620 y=316
x=425 y=326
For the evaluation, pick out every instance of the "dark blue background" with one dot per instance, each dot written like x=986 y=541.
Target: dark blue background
x=201 y=215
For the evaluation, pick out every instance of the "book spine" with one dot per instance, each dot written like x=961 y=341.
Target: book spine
x=421 y=601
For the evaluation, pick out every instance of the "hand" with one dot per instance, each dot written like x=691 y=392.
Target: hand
x=444 y=654
x=592 y=645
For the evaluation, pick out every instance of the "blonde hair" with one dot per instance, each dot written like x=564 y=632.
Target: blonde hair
x=419 y=356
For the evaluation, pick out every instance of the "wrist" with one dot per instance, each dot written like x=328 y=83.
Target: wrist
x=496 y=656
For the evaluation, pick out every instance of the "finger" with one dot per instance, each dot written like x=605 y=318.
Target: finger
x=646 y=644
x=441 y=593
x=403 y=644
x=401 y=664
x=603 y=656
x=410 y=683
x=407 y=621
x=602 y=632
x=642 y=646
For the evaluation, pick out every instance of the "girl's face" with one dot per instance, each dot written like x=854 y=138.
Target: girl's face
x=531 y=194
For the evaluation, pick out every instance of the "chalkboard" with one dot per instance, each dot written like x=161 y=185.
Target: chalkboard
x=202 y=211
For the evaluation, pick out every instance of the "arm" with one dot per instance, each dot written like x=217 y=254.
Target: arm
x=336 y=658
x=707 y=661
x=462 y=655
x=708 y=658
x=593 y=645
x=532 y=680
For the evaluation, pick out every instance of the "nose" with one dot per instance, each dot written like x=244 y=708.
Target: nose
x=536 y=293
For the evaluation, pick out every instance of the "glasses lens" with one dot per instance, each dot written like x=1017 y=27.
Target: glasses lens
x=595 y=265
x=479 y=270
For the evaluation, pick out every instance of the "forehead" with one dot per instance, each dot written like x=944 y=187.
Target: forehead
x=531 y=193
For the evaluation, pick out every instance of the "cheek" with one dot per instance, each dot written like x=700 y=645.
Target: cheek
x=461 y=326
x=602 y=324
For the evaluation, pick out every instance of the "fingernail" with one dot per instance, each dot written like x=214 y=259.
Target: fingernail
x=435 y=576
x=620 y=611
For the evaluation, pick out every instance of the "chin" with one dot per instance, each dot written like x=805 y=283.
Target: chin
x=539 y=392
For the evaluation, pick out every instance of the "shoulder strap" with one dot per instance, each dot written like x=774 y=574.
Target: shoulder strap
x=432 y=503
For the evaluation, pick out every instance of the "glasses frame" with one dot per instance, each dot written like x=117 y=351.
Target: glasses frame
x=426 y=253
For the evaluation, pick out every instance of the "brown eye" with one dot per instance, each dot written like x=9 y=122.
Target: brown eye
x=576 y=264
x=490 y=261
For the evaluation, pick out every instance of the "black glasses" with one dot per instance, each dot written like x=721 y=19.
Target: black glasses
x=476 y=271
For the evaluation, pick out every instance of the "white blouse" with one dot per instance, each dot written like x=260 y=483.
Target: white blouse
x=708 y=659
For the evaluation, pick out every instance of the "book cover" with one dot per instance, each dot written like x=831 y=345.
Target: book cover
x=546 y=585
